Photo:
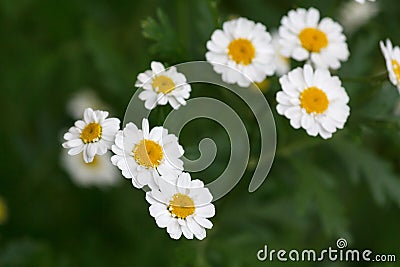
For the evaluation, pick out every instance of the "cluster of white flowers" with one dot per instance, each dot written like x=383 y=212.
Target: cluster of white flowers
x=151 y=159
x=311 y=98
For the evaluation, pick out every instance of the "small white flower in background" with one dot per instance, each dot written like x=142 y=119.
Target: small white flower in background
x=305 y=37
x=143 y=155
x=363 y=1
x=392 y=58
x=313 y=100
x=353 y=15
x=100 y=172
x=83 y=99
x=93 y=135
x=282 y=63
x=182 y=208
x=162 y=86
x=244 y=46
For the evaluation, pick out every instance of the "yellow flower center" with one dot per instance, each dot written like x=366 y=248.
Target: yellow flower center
x=396 y=69
x=241 y=51
x=314 y=100
x=313 y=39
x=164 y=84
x=91 y=133
x=3 y=211
x=148 y=153
x=181 y=206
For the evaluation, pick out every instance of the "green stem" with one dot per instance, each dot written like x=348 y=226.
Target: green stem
x=379 y=78
x=289 y=149
x=183 y=30
x=201 y=260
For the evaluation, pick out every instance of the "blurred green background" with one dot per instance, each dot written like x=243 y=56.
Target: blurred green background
x=317 y=191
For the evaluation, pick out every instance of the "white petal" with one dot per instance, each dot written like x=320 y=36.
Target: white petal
x=88 y=115
x=164 y=220
x=183 y=182
x=206 y=211
x=157 y=209
x=89 y=152
x=174 y=229
x=73 y=143
x=203 y=222
x=186 y=232
x=198 y=231
x=76 y=150
x=157 y=67
x=145 y=128
x=167 y=188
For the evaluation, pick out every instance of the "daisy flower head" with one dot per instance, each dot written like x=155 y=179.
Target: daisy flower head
x=144 y=155
x=182 y=208
x=313 y=100
x=162 y=86
x=100 y=172
x=392 y=58
x=241 y=46
x=305 y=37
x=93 y=135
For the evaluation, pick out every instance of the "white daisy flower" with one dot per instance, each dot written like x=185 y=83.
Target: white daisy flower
x=304 y=37
x=244 y=46
x=282 y=63
x=143 y=155
x=182 y=208
x=93 y=135
x=353 y=15
x=392 y=58
x=162 y=86
x=100 y=172
x=83 y=99
x=363 y=1
x=313 y=100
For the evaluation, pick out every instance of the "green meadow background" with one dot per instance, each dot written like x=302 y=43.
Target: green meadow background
x=317 y=190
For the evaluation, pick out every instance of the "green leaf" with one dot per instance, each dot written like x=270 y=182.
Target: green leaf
x=166 y=41
x=382 y=103
x=378 y=173
x=316 y=193
x=102 y=46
